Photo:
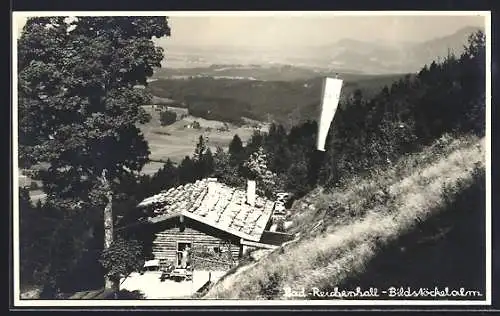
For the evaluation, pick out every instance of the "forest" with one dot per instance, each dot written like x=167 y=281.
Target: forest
x=61 y=240
x=285 y=102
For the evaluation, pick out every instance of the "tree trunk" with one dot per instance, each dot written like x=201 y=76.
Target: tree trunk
x=109 y=283
x=315 y=166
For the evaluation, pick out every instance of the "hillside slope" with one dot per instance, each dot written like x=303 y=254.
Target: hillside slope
x=343 y=231
x=393 y=57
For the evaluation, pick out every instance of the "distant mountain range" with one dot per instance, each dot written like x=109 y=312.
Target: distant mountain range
x=378 y=57
x=345 y=55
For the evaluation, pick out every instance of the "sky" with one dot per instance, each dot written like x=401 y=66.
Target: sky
x=308 y=30
x=304 y=30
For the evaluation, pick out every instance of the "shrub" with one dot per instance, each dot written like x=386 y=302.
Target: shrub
x=122 y=257
x=34 y=186
x=162 y=133
x=167 y=117
x=196 y=125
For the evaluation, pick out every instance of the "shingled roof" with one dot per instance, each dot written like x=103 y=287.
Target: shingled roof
x=215 y=204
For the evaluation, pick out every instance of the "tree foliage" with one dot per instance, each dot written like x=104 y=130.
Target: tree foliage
x=53 y=243
x=236 y=152
x=77 y=104
x=207 y=163
x=165 y=178
x=203 y=159
x=284 y=101
x=187 y=171
x=200 y=148
x=122 y=258
x=224 y=171
x=78 y=110
x=256 y=168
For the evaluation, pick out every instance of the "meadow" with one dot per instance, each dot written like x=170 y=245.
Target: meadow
x=178 y=140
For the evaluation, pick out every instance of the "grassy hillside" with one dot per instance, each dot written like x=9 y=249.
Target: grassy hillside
x=287 y=102
x=347 y=234
x=177 y=140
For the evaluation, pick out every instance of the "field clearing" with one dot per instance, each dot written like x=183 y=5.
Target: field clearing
x=179 y=140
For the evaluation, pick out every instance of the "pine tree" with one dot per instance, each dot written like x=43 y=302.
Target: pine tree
x=276 y=147
x=224 y=171
x=256 y=168
x=165 y=178
x=208 y=163
x=221 y=162
x=255 y=142
x=201 y=146
x=202 y=159
x=236 y=151
x=187 y=171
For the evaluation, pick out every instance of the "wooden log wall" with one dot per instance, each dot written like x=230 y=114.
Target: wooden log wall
x=169 y=233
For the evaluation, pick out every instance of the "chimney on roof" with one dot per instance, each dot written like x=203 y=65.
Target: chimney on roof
x=251 y=192
x=211 y=187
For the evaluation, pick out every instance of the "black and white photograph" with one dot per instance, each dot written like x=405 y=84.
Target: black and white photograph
x=230 y=158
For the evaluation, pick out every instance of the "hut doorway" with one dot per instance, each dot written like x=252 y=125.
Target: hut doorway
x=182 y=247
